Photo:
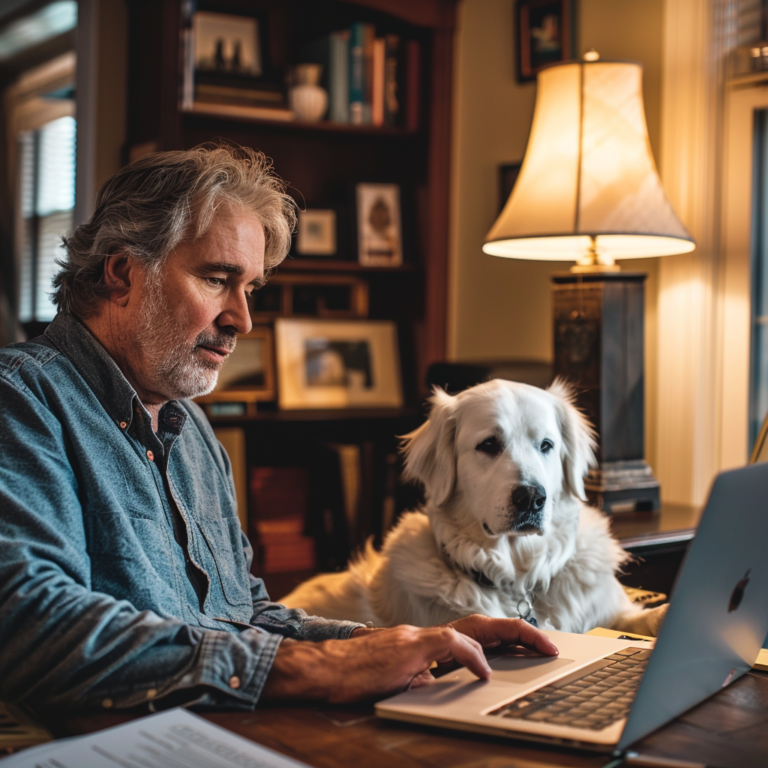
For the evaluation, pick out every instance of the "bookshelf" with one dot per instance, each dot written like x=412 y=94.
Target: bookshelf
x=323 y=161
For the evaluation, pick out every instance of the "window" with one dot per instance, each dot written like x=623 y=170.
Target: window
x=42 y=124
x=46 y=157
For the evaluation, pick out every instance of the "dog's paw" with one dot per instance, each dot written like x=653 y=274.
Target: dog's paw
x=646 y=622
x=654 y=617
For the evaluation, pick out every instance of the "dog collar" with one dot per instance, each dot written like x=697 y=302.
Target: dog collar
x=524 y=604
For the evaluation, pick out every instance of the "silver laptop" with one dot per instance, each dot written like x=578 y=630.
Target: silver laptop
x=605 y=694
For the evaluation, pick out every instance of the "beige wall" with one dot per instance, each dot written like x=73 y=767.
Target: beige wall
x=501 y=308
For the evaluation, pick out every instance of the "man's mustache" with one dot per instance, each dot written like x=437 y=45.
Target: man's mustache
x=225 y=340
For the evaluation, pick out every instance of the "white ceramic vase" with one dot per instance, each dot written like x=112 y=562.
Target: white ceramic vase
x=308 y=102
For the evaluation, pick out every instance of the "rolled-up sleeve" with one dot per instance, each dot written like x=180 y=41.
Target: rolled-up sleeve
x=291 y=622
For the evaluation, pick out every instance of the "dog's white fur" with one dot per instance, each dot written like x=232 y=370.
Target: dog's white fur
x=470 y=549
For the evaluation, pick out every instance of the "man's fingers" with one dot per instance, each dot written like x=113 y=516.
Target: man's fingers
x=534 y=638
x=492 y=632
x=450 y=644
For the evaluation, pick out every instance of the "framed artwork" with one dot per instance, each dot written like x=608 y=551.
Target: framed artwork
x=508 y=173
x=379 y=225
x=545 y=35
x=226 y=44
x=248 y=375
x=316 y=232
x=338 y=364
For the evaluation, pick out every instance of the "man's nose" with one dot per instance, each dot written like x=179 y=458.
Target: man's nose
x=529 y=498
x=237 y=314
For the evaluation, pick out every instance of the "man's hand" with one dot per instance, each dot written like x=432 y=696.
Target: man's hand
x=379 y=662
x=491 y=633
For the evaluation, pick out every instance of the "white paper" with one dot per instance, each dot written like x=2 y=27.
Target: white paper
x=172 y=739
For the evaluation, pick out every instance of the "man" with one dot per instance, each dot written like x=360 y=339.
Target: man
x=124 y=576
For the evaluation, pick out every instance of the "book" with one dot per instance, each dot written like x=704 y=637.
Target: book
x=392 y=71
x=361 y=37
x=338 y=77
x=278 y=494
x=412 y=85
x=187 y=54
x=241 y=111
x=369 y=38
x=377 y=91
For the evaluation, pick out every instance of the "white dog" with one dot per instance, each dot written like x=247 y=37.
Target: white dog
x=504 y=530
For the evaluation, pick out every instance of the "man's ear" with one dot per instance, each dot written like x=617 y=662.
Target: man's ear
x=579 y=441
x=119 y=275
x=430 y=450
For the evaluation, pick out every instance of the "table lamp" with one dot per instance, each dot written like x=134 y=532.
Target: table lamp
x=588 y=191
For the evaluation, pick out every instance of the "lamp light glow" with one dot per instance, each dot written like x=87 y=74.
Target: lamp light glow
x=588 y=189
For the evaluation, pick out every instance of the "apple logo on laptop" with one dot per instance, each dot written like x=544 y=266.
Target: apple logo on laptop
x=738 y=592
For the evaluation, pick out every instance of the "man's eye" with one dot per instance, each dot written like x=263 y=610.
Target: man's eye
x=546 y=446
x=491 y=446
x=217 y=281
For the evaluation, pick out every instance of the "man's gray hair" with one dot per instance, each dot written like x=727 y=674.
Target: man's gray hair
x=152 y=205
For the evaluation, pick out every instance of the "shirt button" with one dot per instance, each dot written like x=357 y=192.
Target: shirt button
x=107 y=703
x=234 y=682
x=151 y=693
x=123 y=425
x=150 y=455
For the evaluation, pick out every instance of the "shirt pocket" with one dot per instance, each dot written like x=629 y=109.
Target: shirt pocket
x=131 y=560
x=223 y=550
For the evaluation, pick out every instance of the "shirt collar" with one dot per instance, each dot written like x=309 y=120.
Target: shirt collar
x=95 y=365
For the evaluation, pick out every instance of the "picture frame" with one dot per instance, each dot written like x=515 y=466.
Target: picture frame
x=227 y=44
x=508 y=173
x=322 y=296
x=546 y=34
x=337 y=364
x=316 y=234
x=379 y=225
x=247 y=377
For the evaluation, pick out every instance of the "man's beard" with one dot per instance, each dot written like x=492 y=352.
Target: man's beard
x=177 y=371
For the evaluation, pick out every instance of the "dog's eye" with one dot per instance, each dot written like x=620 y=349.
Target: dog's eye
x=491 y=445
x=546 y=446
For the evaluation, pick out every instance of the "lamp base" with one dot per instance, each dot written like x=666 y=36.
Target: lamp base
x=599 y=325
x=623 y=483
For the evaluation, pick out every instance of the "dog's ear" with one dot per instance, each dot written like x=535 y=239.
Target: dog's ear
x=578 y=438
x=430 y=453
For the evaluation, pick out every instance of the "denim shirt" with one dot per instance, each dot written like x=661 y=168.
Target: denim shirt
x=124 y=575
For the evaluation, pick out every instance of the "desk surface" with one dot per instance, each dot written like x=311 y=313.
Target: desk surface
x=673 y=522
x=730 y=730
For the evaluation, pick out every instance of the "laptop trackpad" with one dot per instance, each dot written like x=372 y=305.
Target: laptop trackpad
x=523 y=669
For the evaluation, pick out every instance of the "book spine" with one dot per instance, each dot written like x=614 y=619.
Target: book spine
x=377 y=96
x=338 y=77
x=187 y=54
x=356 y=73
x=391 y=73
x=412 y=85
x=369 y=39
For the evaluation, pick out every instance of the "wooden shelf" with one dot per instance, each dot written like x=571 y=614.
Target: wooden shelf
x=241 y=115
x=347 y=414
x=332 y=265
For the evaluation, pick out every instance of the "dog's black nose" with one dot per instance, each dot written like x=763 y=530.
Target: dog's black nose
x=529 y=498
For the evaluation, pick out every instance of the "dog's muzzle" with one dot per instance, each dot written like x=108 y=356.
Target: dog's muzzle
x=527 y=513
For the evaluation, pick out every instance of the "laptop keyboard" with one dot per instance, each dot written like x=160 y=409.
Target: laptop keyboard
x=592 y=697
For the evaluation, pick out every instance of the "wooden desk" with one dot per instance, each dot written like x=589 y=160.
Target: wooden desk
x=730 y=730
x=657 y=541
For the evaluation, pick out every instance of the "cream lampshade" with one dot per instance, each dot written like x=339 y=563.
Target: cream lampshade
x=588 y=189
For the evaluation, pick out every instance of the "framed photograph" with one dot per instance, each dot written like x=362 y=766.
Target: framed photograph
x=226 y=44
x=338 y=364
x=379 y=228
x=508 y=173
x=545 y=35
x=248 y=376
x=316 y=233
